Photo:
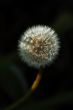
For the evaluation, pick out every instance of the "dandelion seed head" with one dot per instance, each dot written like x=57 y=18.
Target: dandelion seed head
x=39 y=46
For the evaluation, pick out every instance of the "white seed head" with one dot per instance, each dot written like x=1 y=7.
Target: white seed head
x=38 y=46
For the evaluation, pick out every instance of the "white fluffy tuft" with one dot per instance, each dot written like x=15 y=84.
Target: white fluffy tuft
x=38 y=46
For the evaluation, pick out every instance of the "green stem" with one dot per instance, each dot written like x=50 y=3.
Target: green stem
x=23 y=99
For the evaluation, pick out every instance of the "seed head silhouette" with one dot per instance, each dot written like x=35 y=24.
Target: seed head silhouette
x=38 y=46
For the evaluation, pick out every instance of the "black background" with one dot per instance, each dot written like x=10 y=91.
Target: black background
x=55 y=91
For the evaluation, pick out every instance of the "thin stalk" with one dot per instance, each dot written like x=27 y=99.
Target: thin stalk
x=29 y=92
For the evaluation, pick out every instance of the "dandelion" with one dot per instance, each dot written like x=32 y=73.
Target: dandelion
x=39 y=46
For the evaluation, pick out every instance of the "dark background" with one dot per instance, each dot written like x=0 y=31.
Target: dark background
x=55 y=91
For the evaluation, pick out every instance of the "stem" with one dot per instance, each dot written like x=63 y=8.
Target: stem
x=36 y=82
x=29 y=92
